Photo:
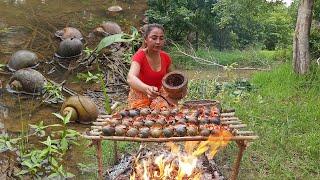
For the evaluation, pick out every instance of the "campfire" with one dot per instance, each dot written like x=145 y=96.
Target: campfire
x=181 y=162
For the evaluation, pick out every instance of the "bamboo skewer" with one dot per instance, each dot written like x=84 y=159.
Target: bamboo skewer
x=175 y=139
x=228 y=118
x=227 y=114
x=237 y=125
x=231 y=122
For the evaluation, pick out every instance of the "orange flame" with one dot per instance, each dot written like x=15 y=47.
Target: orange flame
x=185 y=166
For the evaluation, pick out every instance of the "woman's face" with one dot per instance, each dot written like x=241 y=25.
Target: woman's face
x=155 y=39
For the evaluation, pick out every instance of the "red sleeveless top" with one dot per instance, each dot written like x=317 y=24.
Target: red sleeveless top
x=149 y=76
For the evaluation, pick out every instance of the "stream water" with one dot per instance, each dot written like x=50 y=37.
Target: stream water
x=30 y=24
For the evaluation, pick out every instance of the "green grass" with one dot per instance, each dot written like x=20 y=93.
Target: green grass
x=237 y=58
x=284 y=111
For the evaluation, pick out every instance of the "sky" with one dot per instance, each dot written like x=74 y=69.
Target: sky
x=288 y=2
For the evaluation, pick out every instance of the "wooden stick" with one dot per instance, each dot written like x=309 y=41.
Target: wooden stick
x=100 y=123
x=244 y=132
x=105 y=116
x=227 y=114
x=95 y=133
x=228 y=118
x=237 y=125
x=176 y=139
x=231 y=122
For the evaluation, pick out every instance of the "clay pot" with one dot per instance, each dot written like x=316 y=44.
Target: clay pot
x=22 y=59
x=82 y=108
x=27 y=80
x=107 y=28
x=108 y=130
x=69 y=48
x=175 y=84
x=68 y=32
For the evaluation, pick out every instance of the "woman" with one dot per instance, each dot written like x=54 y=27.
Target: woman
x=149 y=65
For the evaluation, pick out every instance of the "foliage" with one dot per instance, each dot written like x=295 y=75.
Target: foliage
x=98 y=78
x=89 y=77
x=7 y=143
x=225 y=24
x=47 y=161
x=53 y=91
x=182 y=17
x=122 y=37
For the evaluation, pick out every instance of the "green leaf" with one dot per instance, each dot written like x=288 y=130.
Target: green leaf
x=54 y=162
x=64 y=145
x=111 y=39
x=53 y=175
x=58 y=116
x=22 y=172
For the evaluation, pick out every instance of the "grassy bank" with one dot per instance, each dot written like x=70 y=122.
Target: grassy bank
x=236 y=58
x=283 y=110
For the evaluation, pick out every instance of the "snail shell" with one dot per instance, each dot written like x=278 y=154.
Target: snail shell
x=168 y=131
x=192 y=130
x=124 y=113
x=145 y=111
x=28 y=80
x=84 y=108
x=205 y=132
x=108 y=130
x=174 y=111
x=68 y=32
x=137 y=124
x=144 y=132
x=215 y=120
x=156 y=131
x=107 y=28
x=155 y=112
x=149 y=123
x=127 y=121
x=133 y=112
x=22 y=59
x=132 y=132
x=120 y=130
x=165 y=113
x=181 y=130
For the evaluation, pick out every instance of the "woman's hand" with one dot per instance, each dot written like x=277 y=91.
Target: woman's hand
x=152 y=92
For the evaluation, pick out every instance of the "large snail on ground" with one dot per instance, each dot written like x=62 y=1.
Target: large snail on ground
x=68 y=48
x=82 y=108
x=107 y=28
x=68 y=32
x=22 y=59
x=27 y=80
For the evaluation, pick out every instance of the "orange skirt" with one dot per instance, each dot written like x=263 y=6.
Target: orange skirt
x=138 y=99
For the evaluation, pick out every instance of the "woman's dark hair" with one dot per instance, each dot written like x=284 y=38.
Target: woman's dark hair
x=147 y=28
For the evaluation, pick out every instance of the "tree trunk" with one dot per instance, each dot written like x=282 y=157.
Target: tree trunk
x=301 y=54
